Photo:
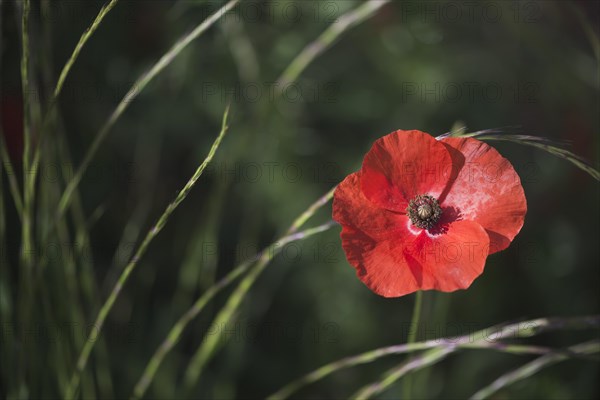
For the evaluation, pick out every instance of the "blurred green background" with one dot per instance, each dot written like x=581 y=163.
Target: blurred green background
x=414 y=65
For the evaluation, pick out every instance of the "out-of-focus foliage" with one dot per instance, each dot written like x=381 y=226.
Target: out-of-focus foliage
x=414 y=65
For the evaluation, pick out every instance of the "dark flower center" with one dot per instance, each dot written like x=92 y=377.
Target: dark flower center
x=424 y=211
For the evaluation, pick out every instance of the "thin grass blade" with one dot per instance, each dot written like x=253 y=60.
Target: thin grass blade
x=82 y=41
x=414 y=364
x=549 y=146
x=138 y=86
x=177 y=330
x=87 y=34
x=210 y=343
x=485 y=338
x=141 y=250
x=533 y=367
x=327 y=38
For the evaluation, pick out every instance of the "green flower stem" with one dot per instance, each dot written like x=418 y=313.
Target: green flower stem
x=152 y=233
x=412 y=336
x=440 y=303
x=177 y=330
x=485 y=338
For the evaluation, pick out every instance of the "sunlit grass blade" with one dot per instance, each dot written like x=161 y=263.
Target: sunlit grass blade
x=82 y=41
x=533 y=367
x=310 y=211
x=175 y=333
x=87 y=34
x=433 y=356
x=141 y=250
x=138 y=86
x=484 y=338
x=210 y=343
x=534 y=141
x=414 y=364
x=326 y=39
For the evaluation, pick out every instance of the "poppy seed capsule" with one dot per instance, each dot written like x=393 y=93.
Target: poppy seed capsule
x=424 y=211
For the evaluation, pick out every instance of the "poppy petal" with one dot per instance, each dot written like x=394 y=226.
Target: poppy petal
x=451 y=260
x=486 y=189
x=379 y=264
x=398 y=266
x=351 y=208
x=402 y=165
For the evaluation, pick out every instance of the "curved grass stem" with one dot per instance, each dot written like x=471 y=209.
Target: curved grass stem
x=152 y=233
x=486 y=338
x=327 y=38
x=413 y=364
x=210 y=343
x=82 y=41
x=435 y=355
x=138 y=86
x=85 y=36
x=176 y=331
x=538 y=142
x=533 y=367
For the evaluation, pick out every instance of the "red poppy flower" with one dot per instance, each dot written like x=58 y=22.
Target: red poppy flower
x=424 y=213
